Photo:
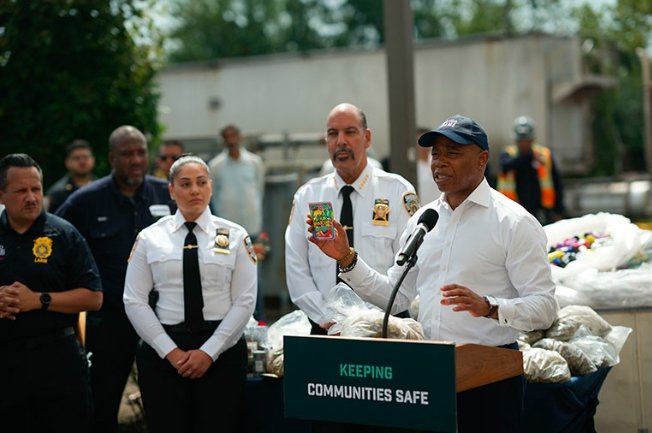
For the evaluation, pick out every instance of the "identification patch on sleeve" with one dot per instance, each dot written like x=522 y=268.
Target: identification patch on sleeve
x=411 y=202
x=133 y=248
x=250 y=249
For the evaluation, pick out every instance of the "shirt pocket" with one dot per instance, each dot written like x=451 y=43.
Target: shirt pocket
x=378 y=245
x=217 y=269
x=105 y=239
x=166 y=264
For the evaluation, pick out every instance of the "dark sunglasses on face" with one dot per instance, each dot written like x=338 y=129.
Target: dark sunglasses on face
x=166 y=157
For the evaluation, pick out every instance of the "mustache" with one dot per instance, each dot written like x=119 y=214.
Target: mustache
x=343 y=149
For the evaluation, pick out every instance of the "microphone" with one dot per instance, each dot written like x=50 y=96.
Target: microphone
x=426 y=222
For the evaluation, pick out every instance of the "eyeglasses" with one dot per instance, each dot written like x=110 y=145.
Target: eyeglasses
x=166 y=157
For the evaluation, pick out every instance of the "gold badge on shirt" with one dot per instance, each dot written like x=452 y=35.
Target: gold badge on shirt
x=222 y=242
x=42 y=249
x=381 y=212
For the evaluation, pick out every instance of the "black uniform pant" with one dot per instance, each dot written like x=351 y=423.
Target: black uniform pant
x=176 y=404
x=112 y=341
x=45 y=384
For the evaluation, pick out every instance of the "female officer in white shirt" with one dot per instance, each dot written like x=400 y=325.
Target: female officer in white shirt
x=192 y=369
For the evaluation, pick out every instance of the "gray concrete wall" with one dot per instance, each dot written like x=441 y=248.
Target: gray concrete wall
x=491 y=80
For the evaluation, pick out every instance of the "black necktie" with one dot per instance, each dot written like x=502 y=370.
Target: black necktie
x=346 y=215
x=193 y=300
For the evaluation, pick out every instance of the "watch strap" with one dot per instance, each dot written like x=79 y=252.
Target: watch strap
x=493 y=306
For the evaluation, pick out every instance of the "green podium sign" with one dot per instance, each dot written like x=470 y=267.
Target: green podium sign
x=368 y=381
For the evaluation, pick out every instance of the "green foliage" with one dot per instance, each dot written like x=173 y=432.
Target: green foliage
x=218 y=29
x=74 y=69
x=214 y=29
x=618 y=113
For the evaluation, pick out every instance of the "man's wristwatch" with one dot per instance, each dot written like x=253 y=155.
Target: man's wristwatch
x=46 y=299
x=493 y=306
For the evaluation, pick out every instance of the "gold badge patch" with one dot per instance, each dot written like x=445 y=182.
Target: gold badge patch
x=381 y=212
x=42 y=249
x=222 y=242
x=411 y=202
x=250 y=249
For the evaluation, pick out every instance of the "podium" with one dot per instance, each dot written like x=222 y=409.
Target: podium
x=386 y=382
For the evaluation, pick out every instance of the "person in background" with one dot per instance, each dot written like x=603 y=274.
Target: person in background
x=238 y=191
x=168 y=152
x=110 y=213
x=193 y=361
x=47 y=276
x=529 y=176
x=426 y=186
x=370 y=192
x=482 y=272
x=79 y=163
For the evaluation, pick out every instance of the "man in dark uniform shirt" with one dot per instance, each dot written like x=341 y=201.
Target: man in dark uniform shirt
x=110 y=213
x=47 y=276
x=79 y=164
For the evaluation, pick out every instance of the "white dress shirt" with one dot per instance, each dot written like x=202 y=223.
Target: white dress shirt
x=238 y=189
x=228 y=281
x=489 y=244
x=310 y=273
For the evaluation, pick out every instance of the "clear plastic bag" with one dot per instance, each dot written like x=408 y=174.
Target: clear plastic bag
x=574 y=331
x=626 y=240
x=545 y=366
x=579 y=363
x=370 y=324
x=294 y=323
x=354 y=317
x=618 y=274
x=570 y=318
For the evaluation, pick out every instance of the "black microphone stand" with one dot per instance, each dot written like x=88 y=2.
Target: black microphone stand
x=410 y=264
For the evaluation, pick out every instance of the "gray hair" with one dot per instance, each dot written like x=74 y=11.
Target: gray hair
x=186 y=158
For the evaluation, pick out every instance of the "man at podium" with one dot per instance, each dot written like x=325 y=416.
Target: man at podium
x=482 y=272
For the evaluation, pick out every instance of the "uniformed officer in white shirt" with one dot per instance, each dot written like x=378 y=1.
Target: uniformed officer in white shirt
x=192 y=378
x=482 y=272
x=382 y=204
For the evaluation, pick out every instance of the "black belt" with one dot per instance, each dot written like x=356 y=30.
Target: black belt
x=34 y=341
x=206 y=326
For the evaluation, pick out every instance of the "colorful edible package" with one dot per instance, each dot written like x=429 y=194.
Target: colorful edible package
x=322 y=220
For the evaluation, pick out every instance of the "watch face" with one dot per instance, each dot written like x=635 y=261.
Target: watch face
x=45 y=300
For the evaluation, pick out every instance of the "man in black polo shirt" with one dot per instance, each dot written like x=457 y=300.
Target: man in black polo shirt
x=110 y=213
x=47 y=276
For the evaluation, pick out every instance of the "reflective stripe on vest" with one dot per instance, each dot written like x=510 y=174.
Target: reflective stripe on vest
x=506 y=182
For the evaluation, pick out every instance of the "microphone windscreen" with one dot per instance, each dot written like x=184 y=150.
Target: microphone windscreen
x=429 y=218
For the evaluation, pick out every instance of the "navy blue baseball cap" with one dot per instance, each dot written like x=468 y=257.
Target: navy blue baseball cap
x=460 y=129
